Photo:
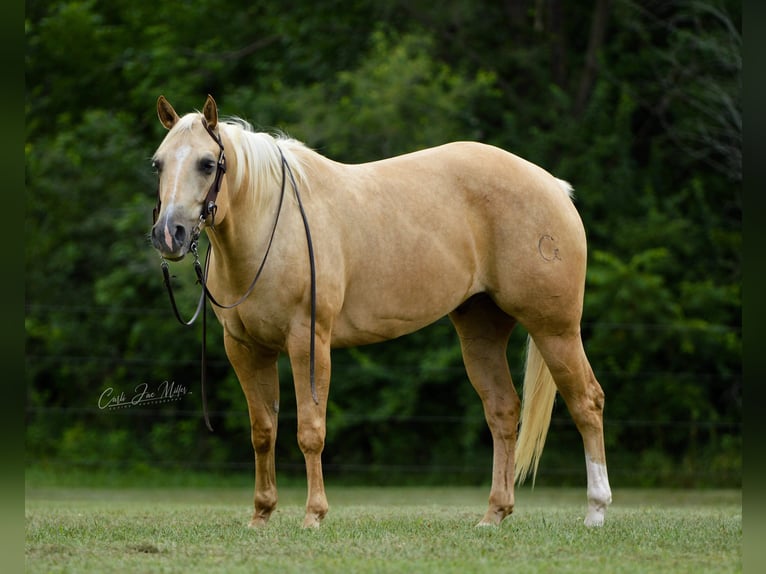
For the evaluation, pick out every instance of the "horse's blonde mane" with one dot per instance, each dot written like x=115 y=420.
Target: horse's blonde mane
x=258 y=154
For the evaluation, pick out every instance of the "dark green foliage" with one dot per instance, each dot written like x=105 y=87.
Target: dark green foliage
x=638 y=105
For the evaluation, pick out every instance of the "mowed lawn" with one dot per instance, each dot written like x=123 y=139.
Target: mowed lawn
x=411 y=530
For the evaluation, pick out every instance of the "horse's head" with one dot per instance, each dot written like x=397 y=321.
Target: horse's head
x=190 y=166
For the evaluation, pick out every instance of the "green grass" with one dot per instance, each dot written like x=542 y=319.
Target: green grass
x=412 y=530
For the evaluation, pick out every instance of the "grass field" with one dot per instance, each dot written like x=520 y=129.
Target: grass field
x=412 y=530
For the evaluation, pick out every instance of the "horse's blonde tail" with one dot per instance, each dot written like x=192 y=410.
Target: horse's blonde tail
x=536 y=409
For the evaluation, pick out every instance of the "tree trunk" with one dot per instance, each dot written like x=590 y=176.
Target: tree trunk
x=595 y=43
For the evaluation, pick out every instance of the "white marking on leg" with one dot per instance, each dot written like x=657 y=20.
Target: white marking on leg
x=599 y=493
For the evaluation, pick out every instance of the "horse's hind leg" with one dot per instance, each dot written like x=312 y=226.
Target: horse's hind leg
x=257 y=373
x=484 y=330
x=565 y=357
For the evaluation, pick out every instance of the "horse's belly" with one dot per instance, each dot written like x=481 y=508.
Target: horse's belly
x=347 y=334
x=384 y=310
x=350 y=332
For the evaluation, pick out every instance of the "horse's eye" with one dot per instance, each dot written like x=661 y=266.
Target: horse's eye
x=157 y=166
x=207 y=166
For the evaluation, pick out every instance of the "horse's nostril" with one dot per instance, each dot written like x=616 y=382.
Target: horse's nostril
x=180 y=234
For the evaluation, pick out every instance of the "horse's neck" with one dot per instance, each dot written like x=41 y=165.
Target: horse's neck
x=248 y=224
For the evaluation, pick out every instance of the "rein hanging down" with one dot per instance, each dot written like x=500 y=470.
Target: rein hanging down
x=209 y=209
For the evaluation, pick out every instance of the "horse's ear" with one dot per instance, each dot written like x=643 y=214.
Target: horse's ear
x=210 y=111
x=168 y=116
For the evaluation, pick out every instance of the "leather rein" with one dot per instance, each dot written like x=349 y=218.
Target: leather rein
x=209 y=209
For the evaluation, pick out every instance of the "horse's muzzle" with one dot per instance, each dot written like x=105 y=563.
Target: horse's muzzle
x=171 y=239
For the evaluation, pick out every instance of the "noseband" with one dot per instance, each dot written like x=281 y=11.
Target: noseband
x=209 y=209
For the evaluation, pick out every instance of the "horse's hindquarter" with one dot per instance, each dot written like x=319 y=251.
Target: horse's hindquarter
x=423 y=232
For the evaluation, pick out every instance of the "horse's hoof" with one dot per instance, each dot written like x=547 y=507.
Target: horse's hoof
x=594 y=519
x=495 y=515
x=483 y=523
x=312 y=521
x=258 y=522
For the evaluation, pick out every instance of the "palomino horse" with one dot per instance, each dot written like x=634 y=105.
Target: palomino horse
x=463 y=229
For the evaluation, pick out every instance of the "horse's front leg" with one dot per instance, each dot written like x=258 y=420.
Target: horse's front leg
x=256 y=369
x=311 y=415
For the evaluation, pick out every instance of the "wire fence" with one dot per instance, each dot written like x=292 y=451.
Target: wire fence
x=564 y=462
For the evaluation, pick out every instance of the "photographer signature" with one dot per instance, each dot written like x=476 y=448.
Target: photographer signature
x=165 y=392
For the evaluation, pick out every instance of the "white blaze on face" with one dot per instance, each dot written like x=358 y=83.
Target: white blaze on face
x=182 y=153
